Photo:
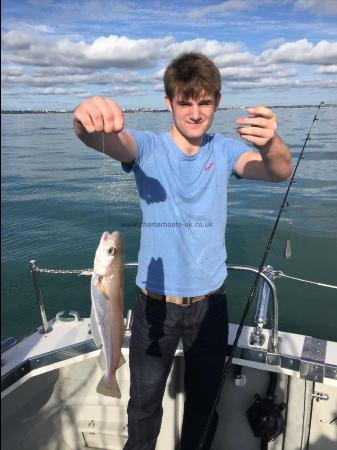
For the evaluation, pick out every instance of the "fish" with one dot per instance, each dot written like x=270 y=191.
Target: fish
x=107 y=316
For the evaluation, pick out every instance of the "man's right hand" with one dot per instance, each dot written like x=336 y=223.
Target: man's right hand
x=99 y=114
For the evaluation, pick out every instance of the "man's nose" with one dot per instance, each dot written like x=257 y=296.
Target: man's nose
x=195 y=113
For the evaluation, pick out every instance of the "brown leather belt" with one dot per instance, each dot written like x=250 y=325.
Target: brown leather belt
x=182 y=301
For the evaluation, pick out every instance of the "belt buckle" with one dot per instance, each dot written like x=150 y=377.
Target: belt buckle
x=187 y=301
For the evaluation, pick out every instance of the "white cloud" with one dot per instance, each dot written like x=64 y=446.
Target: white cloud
x=328 y=70
x=61 y=70
x=51 y=66
x=256 y=73
x=104 y=52
x=50 y=91
x=115 y=51
x=282 y=83
x=274 y=42
x=159 y=87
x=227 y=7
x=321 y=6
x=123 y=52
x=115 y=91
x=28 y=27
x=41 y=91
x=302 y=52
x=84 y=94
x=124 y=90
x=222 y=53
x=234 y=58
x=13 y=76
x=159 y=75
x=12 y=71
x=16 y=40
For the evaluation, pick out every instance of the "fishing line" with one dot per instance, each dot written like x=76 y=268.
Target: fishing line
x=287 y=248
x=104 y=182
x=253 y=289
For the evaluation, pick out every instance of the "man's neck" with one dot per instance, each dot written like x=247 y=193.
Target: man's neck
x=188 y=146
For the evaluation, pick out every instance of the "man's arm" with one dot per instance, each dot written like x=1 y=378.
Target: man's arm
x=97 y=115
x=273 y=162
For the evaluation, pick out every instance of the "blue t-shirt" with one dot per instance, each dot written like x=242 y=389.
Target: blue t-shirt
x=184 y=204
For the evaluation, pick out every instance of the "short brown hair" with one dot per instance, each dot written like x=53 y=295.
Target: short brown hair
x=191 y=73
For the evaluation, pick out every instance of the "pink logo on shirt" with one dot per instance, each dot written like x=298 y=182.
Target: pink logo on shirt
x=209 y=166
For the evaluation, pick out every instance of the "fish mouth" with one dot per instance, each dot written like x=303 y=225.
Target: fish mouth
x=115 y=237
x=116 y=234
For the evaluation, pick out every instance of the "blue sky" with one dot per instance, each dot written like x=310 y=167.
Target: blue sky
x=57 y=53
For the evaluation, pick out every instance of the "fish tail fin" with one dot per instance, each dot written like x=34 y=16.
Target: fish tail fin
x=109 y=388
x=101 y=361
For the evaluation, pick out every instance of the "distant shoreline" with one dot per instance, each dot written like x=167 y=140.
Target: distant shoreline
x=156 y=110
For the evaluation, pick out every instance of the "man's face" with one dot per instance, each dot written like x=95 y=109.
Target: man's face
x=192 y=117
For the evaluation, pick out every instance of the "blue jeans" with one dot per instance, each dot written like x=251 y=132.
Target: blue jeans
x=156 y=330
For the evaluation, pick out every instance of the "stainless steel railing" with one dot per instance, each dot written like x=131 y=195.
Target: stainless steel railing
x=266 y=287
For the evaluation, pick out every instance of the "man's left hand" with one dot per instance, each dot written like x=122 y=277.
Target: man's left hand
x=261 y=129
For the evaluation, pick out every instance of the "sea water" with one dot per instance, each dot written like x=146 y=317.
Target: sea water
x=58 y=196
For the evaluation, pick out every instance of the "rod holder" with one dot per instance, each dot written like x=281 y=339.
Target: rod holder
x=274 y=333
x=128 y=322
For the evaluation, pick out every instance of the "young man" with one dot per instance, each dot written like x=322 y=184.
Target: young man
x=182 y=178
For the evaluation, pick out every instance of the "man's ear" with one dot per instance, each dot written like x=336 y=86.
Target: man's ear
x=217 y=101
x=168 y=103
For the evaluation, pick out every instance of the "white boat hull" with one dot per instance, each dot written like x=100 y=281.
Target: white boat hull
x=53 y=405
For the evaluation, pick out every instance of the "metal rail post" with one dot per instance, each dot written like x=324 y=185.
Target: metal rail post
x=45 y=328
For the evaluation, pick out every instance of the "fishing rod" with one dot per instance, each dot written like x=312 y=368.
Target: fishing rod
x=253 y=289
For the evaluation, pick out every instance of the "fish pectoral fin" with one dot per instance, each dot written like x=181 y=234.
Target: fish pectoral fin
x=94 y=329
x=121 y=361
x=86 y=272
x=109 y=388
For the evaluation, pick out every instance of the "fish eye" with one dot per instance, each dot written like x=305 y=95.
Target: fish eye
x=111 y=251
